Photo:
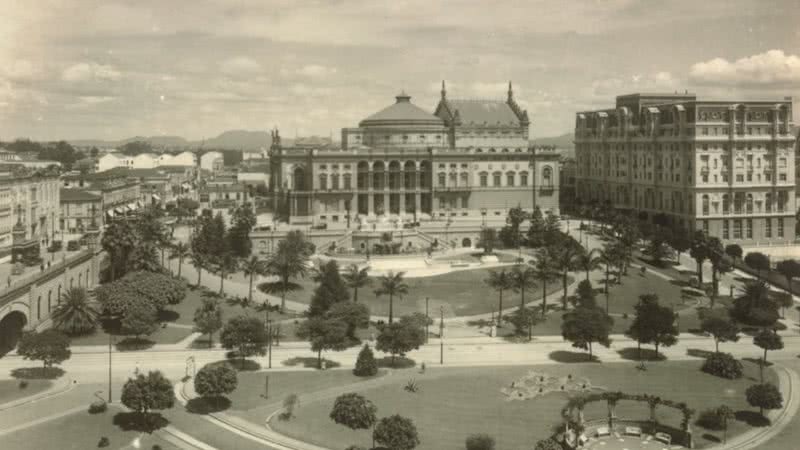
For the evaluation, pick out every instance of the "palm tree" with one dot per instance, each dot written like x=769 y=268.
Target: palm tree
x=180 y=251
x=74 y=314
x=500 y=280
x=522 y=277
x=392 y=284
x=589 y=261
x=198 y=261
x=543 y=272
x=286 y=263
x=356 y=278
x=118 y=240
x=565 y=259
x=252 y=267
x=224 y=264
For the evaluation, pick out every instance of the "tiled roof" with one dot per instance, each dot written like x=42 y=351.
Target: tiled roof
x=78 y=195
x=490 y=112
x=403 y=111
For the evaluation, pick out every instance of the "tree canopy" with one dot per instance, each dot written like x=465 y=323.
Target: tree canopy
x=49 y=346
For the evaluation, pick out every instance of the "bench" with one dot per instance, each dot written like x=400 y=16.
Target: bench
x=663 y=437
x=603 y=431
x=633 y=431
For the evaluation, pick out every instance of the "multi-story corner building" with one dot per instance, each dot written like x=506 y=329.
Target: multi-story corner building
x=32 y=199
x=724 y=167
x=467 y=158
x=78 y=209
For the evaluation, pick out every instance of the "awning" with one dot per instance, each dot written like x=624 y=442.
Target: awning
x=132 y=206
x=139 y=203
x=156 y=197
x=110 y=213
x=119 y=210
x=186 y=186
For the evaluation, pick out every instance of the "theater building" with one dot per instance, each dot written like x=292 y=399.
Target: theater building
x=468 y=158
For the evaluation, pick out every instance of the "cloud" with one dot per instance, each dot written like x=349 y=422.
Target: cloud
x=316 y=71
x=21 y=69
x=491 y=90
x=773 y=67
x=90 y=71
x=240 y=66
x=607 y=88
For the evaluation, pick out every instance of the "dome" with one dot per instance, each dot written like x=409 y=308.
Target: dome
x=402 y=113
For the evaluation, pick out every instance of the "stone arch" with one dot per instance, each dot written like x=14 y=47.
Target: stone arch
x=11 y=328
x=466 y=242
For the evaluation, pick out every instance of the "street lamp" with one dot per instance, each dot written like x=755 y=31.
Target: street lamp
x=109 y=317
x=269 y=342
x=441 y=335
x=483 y=214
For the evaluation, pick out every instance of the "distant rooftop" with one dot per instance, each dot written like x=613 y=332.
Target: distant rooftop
x=77 y=195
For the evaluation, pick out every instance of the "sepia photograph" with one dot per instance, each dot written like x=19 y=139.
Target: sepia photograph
x=399 y=225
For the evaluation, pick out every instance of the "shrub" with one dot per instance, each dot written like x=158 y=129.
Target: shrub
x=97 y=407
x=156 y=447
x=723 y=365
x=710 y=420
x=366 y=366
x=23 y=384
x=104 y=442
x=480 y=442
x=73 y=246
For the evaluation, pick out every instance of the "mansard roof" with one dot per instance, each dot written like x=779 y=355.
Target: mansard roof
x=482 y=112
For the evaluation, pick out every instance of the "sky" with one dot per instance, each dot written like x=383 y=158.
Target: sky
x=113 y=69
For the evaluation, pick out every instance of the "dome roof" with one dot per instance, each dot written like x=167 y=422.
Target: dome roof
x=402 y=113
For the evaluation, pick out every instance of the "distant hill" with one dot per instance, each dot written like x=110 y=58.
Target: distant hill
x=563 y=143
x=228 y=140
x=239 y=140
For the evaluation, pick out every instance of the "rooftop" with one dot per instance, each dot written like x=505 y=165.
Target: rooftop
x=78 y=195
x=402 y=112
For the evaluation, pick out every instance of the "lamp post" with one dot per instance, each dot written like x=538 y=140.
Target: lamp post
x=441 y=334
x=427 y=319
x=483 y=217
x=269 y=343
x=110 y=317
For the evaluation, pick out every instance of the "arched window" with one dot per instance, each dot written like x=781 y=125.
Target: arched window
x=464 y=179
x=442 y=178
x=323 y=181
x=705 y=205
x=510 y=179
x=491 y=150
x=484 y=179
x=496 y=179
x=453 y=180
x=547 y=176
x=749 y=204
x=523 y=178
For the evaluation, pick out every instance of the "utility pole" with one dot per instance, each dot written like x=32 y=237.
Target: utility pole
x=109 y=364
x=269 y=347
x=427 y=319
x=441 y=334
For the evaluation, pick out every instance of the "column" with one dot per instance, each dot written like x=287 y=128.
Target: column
x=417 y=202
x=370 y=204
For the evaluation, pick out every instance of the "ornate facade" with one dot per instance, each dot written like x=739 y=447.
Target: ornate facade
x=468 y=158
x=724 y=167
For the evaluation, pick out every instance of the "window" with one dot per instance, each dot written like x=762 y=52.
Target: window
x=705 y=227
x=453 y=181
x=780 y=228
x=547 y=176
x=739 y=178
x=347 y=181
x=323 y=181
x=335 y=181
x=768 y=228
x=749 y=228
x=496 y=179
x=781 y=162
x=484 y=179
x=725 y=229
x=523 y=178
x=705 y=205
x=749 y=204
x=441 y=179
x=737 y=229
x=768 y=202
x=782 y=177
x=510 y=179
x=464 y=179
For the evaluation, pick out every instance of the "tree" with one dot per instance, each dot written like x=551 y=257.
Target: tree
x=330 y=290
x=500 y=280
x=767 y=340
x=543 y=272
x=140 y=319
x=401 y=337
x=144 y=257
x=734 y=251
x=243 y=219
x=589 y=261
x=215 y=380
x=354 y=315
x=245 y=335
x=681 y=242
x=74 y=314
x=699 y=252
x=757 y=261
x=287 y=262
x=366 y=366
x=658 y=251
x=198 y=262
x=764 y=396
x=721 y=329
x=324 y=334
x=156 y=290
x=252 y=267
x=510 y=234
x=548 y=444
x=49 y=346
x=480 y=442
x=790 y=269
x=118 y=241
x=564 y=258
x=392 y=284
x=755 y=307
x=523 y=321
x=585 y=293
x=145 y=393
x=584 y=326
x=724 y=415
x=224 y=264
x=652 y=324
x=488 y=240
x=208 y=318
x=354 y=411
x=536 y=229
x=396 y=433
x=356 y=278
x=180 y=252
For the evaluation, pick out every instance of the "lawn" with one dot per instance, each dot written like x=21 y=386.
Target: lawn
x=10 y=390
x=183 y=313
x=162 y=335
x=475 y=257
x=249 y=403
x=461 y=293
x=451 y=404
x=80 y=431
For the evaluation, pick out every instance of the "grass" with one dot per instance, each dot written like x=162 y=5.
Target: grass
x=476 y=257
x=461 y=293
x=10 y=390
x=453 y=403
x=80 y=431
x=166 y=335
x=183 y=313
x=248 y=401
